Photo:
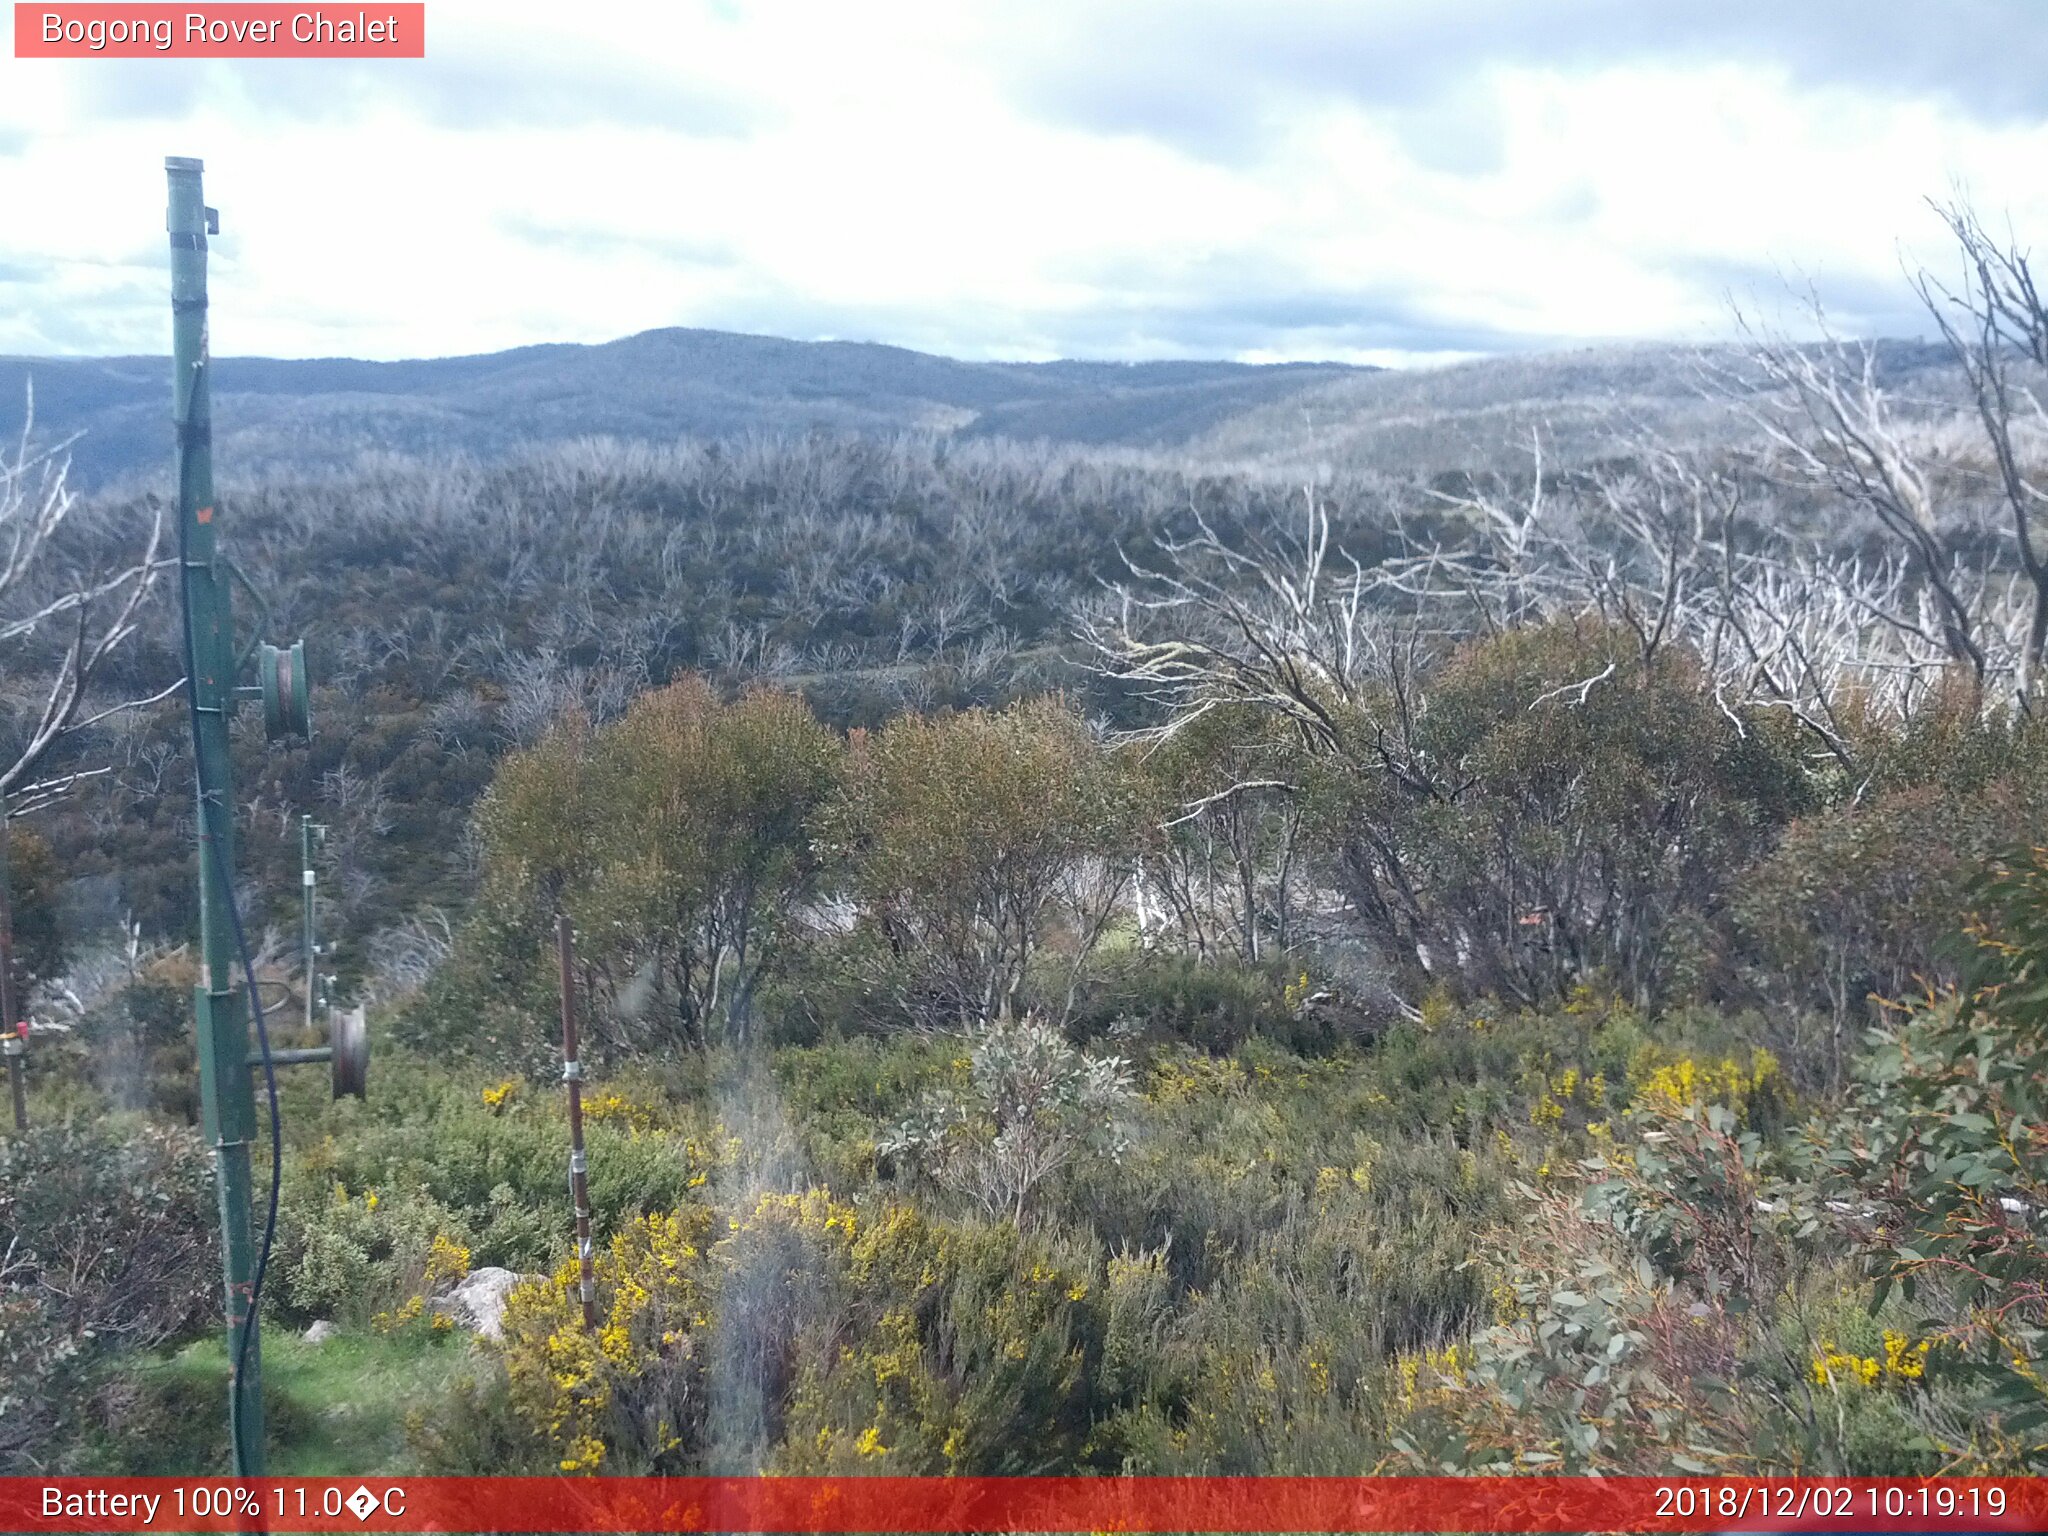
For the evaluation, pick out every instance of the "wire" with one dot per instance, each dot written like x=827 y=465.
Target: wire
x=209 y=857
x=249 y=1321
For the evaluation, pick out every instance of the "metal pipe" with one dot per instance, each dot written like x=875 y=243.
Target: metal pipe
x=17 y=1039
x=572 y=1074
x=311 y=1053
x=15 y=1046
x=312 y=976
x=221 y=1019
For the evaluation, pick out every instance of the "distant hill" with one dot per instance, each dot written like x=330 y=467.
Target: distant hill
x=278 y=413
x=1480 y=415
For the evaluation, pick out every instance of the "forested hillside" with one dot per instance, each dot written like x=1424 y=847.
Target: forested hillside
x=283 y=416
x=1104 y=959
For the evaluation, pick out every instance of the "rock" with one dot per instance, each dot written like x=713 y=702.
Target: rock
x=320 y=1332
x=478 y=1302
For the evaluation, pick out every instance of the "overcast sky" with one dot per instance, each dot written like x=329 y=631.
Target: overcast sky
x=1379 y=180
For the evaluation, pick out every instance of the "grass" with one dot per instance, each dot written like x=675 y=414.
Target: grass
x=332 y=1409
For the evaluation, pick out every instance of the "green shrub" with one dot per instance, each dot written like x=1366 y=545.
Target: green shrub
x=1027 y=1105
x=139 y=1050
x=359 y=1255
x=108 y=1240
x=1214 y=1005
x=166 y=1417
x=1943 y=1137
x=500 y=1168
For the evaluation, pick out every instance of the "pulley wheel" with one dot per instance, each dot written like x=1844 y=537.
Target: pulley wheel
x=287 y=708
x=348 y=1033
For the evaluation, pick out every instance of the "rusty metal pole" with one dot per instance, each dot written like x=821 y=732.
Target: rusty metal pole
x=572 y=1074
x=15 y=1046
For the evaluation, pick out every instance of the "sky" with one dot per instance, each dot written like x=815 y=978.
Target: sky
x=1387 y=181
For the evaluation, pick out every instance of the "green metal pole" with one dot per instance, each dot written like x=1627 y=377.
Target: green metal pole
x=15 y=1044
x=312 y=942
x=227 y=1097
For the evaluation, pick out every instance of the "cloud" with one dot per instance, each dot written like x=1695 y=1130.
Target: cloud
x=526 y=92
x=1298 y=178
x=1212 y=77
x=131 y=90
x=1245 y=302
x=519 y=91
x=585 y=240
x=1779 y=298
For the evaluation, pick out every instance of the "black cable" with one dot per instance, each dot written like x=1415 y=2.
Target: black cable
x=209 y=857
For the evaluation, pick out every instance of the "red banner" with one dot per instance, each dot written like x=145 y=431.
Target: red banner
x=1050 y=1504
x=241 y=31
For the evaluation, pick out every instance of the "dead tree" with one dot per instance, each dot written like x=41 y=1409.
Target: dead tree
x=62 y=617
x=1275 y=619
x=1996 y=325
x=1835 y=423
x=1279 y=622
x=1678 y=550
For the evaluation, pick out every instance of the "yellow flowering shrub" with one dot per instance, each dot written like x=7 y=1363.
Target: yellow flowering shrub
x=1137 y=1295
x=1903 y=1361
x=633 y=1383
x=704 y=1156
x=683 y=1298
x=1296 y=993
x=959 y=1353
x=1687 y=1083
x=1430 y=1377
x=611 y=1106
x=1438 y=1010
x=1181 y=1076
x=877 y=1404
x=1335 y=1185
x=446 y=1262
x=408 y=1311
x=497 y=1097
x=364 y=1257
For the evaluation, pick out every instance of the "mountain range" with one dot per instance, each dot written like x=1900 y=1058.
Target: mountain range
x=272 y=412
x=293 y=416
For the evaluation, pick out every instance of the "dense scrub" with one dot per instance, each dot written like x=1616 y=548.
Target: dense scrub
x=452 y=609
x=1089 y=965
x=1316 y=1263
x=981 y=1094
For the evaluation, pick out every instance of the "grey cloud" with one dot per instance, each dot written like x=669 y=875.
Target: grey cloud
x=538 y=93
x=1153 y=101
x=127 y=90
x=113 y=326
x=1462 y=133
x=684 y=252
x=1219 y=307
x=1233 y=302
x=528 y=91
x=1212 y=77
x=291 y=90
x=1856 y=303
x=1305 y=325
